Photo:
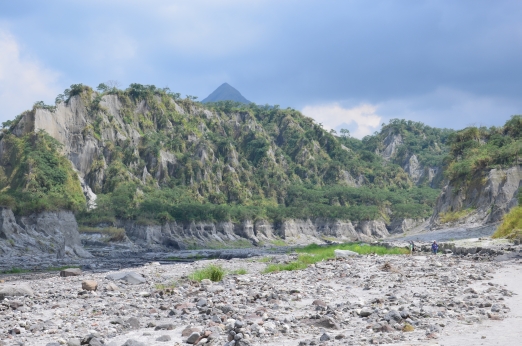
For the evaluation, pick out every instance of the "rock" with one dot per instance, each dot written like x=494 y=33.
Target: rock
x=15 y=290
x=164 y=338
x=344 y=253
x=405 y=313
x=190 y=330
x=325 y=337
x=168 y=326
x=71 y=272
x=201 y=303
x=89 y=285
x=132 y=342
x=193 y=338
x=393 y=315
x=206 y=282
x=74 y=342
x=111 y=287
x=365 y=312
x=496 y=308
x=52 y=344
x=129 y=277
x=319 y=302
x=95 y=342
x=133 y=323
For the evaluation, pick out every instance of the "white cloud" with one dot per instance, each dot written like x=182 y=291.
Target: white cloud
x=362 y=118
x=22 y=81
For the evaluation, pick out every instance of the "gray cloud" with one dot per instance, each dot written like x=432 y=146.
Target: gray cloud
x=447 y=63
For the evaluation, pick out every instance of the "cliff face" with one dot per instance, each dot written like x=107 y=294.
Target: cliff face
x=394 y=149
x=46 y=232
x=485 y=199
x=147 y=155
x=182 y=235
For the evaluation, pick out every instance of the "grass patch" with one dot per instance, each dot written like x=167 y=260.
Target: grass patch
x=164 y=286
x=314 y=253
x=511 y=226
x=212 y=272
x=453 y=216
x=240 y=271
x=278 y=242
x=265 y=259
x=15 y=270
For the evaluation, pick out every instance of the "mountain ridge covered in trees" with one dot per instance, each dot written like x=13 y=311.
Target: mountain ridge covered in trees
x=156 y=157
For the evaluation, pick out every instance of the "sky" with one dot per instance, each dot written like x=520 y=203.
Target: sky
x=348 y=64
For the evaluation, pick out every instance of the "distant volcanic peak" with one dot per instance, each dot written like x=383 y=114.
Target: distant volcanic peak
x=225 y=92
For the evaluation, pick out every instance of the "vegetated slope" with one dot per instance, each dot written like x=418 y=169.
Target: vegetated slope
x=225 y=92
x=152 y=157
x=35 y=176
x=483 y=174
x=417 y=148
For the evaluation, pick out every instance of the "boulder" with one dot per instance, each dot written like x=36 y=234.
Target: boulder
x=193 y=338
x=89 y=285
x=132 y=278
x=15 y=291
x=71 y=272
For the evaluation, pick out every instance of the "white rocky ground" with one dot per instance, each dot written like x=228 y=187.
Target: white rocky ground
x=448 y=300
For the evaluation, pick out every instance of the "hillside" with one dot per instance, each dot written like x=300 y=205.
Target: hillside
x=146 y=156
x=483 y=175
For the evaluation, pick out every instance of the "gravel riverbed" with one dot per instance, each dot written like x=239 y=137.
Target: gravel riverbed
x=404 y=300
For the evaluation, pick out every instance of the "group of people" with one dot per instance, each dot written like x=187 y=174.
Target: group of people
x=434 y=247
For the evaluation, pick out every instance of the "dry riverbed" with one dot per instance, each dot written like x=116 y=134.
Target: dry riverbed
x=401 y=299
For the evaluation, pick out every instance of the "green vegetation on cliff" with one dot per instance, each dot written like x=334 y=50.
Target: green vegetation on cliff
x=34 y=176
x=160 y=157
x=475 y=150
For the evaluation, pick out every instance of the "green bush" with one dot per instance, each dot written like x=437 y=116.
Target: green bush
x=212 y=272
x=511 y=226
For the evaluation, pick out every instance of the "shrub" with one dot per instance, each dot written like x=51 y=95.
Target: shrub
x=452 y=216
x=511 y=226
x=240 y=271
x=212 y=272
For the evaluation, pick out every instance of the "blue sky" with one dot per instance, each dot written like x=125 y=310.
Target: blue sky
x=353 y=64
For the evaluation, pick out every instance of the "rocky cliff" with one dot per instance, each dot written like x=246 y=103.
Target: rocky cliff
x=416 y=148
x=46 y=232
x=484 y=199
x=177 y=235
x=143 y=157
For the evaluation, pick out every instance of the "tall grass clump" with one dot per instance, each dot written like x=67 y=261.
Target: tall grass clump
x=511 y=226
x=314 y=253
x=452 y=216
x=212 y=272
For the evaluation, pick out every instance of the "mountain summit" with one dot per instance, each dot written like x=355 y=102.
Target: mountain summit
x=225 y=92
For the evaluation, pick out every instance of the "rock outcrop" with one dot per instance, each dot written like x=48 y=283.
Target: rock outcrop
x=180 y=235
x=418 y=172
x=483 y=200
x=47 y=232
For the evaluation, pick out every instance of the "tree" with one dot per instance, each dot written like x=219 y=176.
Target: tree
x=345 y=132
x=102 y=87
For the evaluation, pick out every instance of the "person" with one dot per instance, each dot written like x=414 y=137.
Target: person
x=434 y=247
x=412 y=247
